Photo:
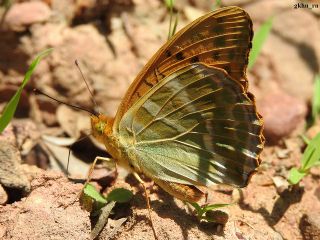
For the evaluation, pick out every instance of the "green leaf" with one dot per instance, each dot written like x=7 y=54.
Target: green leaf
x=11 y=107
x=197 y=208
x=258 y=41
x=102 y=220
x=295 y=176
x=316 y=99
x=310 y=158
x=120 y=195
x=312 y=154
x=216 y=206
x=202 y=210
x=91 y=191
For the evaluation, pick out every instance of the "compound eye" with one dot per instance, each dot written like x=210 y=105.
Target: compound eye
x=100 y=126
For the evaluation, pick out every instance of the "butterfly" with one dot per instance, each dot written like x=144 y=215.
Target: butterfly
x=188 y=121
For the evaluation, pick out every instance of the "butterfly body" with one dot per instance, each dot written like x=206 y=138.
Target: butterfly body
x=187 y=120
x=101 y=130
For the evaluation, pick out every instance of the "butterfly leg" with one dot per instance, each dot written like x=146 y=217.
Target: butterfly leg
x=93 y=165
x=148 y=201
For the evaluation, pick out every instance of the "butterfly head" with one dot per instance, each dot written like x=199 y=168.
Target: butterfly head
x=101 y=127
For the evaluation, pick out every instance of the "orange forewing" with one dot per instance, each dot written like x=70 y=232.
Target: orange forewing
x=221 y=39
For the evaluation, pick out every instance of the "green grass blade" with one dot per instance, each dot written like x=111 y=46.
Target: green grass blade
x=216 y=5
x=316 y=99
x=202 y=210
x=312 y=154
x=6 y=3
x=216 y=206
x=170 y=4
x=305 y=139
x=11 y=107
x=258 y=41
x=295 y=176
x=196 y=206
x=174 y=28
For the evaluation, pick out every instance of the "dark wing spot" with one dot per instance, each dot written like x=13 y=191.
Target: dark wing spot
x=231 y=54
x=197 y=37
x=216 y=56
x=228 y=69
x=168 y=53
x=218 y=29
x=219 y=41
x=179 y=56
x=194 y=59
x=219 y=20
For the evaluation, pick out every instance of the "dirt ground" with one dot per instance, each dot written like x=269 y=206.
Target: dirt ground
x=112 y=40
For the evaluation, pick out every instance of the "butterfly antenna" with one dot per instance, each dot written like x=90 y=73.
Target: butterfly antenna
x=37 y=91
x=85 y=81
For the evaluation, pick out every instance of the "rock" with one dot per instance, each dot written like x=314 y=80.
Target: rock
x=218 y=216
x=51 y=209
x=291 y=54
x=280 y=183
x=72 y=122
x=234 y=2
x=24 y=14
x=13 y=64
x=317 y=193
x=294 y=51
x=11 y=173
x=270 y=8
x=87 y=10
x=27 y=134
x=310 y=226
x=77 y=167
x=282 y=115
x=192 y=13
x=108 y=81
x=3 y=197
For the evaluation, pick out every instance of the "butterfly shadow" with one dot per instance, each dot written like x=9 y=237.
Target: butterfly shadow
x=166 y=207
x=287 y=198
x=306 y=51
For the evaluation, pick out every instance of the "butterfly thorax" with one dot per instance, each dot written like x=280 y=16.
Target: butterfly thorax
x=102 y=131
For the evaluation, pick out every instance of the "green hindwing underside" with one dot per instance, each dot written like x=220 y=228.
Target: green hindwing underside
x=197 y=126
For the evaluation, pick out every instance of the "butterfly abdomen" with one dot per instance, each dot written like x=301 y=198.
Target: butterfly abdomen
x=181 y=191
